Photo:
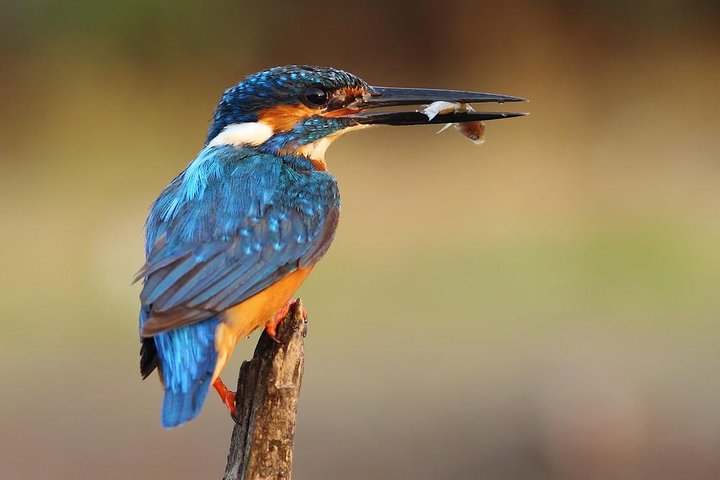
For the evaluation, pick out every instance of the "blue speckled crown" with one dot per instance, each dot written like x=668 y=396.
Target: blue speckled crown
x=277 y=85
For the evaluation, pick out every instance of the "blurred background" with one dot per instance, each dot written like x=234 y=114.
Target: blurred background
x=543 y=306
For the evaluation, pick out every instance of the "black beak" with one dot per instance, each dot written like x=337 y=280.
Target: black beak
x=393 y=97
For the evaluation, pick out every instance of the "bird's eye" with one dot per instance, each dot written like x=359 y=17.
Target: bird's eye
x=316 y=96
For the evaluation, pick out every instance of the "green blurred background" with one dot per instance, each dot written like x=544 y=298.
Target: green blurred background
x=544 y=306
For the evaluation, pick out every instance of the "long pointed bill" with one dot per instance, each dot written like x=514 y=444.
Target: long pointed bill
x=392 y=97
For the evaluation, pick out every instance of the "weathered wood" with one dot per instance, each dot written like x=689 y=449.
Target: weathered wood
x=261 y=446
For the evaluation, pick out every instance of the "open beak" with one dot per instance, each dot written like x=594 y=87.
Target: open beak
x=393 y=97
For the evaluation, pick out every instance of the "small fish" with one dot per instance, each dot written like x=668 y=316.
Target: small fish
x=475 y=131
x=442 y=107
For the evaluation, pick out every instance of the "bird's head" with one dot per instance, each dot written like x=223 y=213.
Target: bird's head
x=302 y=109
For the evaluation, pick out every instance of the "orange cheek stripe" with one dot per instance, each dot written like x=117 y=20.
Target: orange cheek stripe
x=340 y=113
x=282 y=118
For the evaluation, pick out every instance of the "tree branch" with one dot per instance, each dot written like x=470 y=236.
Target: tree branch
x=261 y=446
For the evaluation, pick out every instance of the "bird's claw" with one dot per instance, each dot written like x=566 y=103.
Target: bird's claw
x=271 y=326
x=227 y=397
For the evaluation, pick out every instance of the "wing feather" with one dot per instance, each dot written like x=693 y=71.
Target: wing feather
x=232 y=224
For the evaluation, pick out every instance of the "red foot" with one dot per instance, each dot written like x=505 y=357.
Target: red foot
x=227 y=397
x=271 y=326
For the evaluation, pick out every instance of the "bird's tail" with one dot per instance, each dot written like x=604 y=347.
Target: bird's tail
x=187 y=359
x=180 y=407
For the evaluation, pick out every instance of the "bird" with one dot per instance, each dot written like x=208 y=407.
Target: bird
x=235 y=234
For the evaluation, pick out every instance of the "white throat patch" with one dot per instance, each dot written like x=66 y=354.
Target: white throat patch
x=316 y=150
x=239 y=134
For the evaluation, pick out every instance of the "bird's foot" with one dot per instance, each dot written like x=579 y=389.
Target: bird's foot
x=271 y=326
x=227 y=397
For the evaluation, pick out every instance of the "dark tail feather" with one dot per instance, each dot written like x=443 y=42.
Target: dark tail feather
x=180 y=407
x=148 y=357
x=148 y=351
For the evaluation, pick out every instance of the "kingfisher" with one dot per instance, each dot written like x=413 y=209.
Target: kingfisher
x=235 y=234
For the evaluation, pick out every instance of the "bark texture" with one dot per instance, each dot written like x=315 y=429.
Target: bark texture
x=261 y=446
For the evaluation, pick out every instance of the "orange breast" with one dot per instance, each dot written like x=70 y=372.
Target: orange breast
x=242 y=319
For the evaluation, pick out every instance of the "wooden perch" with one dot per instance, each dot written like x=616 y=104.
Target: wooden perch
x=261 y=446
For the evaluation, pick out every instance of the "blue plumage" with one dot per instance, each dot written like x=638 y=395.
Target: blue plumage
x=242 y=220
x=232 y=223
x=188 y=357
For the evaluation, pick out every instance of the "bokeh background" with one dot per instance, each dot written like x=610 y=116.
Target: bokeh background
x=544 y=306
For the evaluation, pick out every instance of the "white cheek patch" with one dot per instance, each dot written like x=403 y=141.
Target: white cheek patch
x=250 y=133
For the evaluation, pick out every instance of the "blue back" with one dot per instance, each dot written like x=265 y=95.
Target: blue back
x=234 y=222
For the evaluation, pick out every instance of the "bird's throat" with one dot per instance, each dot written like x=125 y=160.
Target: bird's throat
x=315 y=151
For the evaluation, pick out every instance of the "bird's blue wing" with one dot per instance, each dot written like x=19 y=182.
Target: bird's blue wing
x=232 y=224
